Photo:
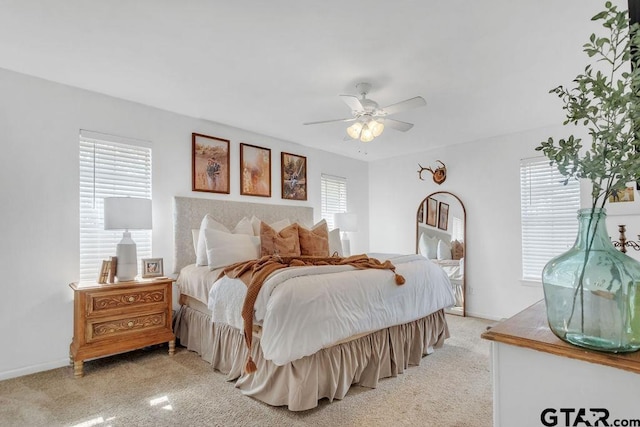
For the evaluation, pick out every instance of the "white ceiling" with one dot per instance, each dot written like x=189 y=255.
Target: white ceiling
x=484 y=67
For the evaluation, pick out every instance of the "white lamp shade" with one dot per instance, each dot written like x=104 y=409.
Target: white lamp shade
x=127 y=213
x=346 y=221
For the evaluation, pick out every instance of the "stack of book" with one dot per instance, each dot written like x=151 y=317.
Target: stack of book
x=108 y=270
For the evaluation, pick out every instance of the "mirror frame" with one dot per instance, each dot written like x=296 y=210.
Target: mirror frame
x=464 y=277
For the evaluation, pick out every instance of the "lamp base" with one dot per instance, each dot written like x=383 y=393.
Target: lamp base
x=127 y=268
x=346 y=245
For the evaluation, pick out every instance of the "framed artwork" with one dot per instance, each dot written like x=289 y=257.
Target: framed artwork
x=294 y=176
x=432 y=212
x=443 y=216
x=209 y=164
x=152 y=267
x=420 y=218
x=624 y=202
x=255 y=171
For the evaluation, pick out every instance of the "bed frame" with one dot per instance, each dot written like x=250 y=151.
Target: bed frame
x=328 y=373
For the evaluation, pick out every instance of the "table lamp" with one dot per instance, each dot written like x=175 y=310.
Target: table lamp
x=346 y=222
x=127 y=213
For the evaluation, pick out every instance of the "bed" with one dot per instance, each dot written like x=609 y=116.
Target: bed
x=311 y=362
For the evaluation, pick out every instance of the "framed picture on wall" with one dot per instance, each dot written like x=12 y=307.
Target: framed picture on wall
x=420 y=218
x=294 y=176
x=432 y=212
x=255 y=170
x=443 y=216
x=209 y=164
x=624 y=202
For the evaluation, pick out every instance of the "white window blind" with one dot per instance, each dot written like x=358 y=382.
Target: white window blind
x=109 y=166
x=549 y=213
x=333 y=196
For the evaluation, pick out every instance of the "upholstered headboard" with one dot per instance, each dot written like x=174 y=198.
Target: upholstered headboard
x=189 y=211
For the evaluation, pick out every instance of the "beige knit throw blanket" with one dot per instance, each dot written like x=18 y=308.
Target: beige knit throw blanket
x=253 y=273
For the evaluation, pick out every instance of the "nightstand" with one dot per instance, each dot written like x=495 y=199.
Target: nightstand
x=114 y=318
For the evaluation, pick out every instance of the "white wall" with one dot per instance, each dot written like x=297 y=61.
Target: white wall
x=485 y=175
x=39 y=125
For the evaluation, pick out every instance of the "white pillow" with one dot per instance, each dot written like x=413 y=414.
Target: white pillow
x=225 y=248
x=255 y=224
x=201 y=249
x=194 y=236
x=244 y=227
x=444 y=250
x=335 y=243
x=428 y=246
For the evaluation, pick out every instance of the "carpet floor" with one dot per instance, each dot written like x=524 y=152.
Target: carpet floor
x=451 y=387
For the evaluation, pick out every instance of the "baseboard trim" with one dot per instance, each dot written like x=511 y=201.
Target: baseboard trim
x=33 y=369
x=482 y=315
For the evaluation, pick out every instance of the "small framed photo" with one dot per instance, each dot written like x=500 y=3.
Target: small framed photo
x=209 y=164
x=432 y=212
x=152 y=267
x=443 y=216
x=255 y=171
x=294 y=176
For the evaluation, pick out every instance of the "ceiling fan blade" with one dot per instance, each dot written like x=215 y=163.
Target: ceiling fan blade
x=350 y=119
x=353 y=102
x=398 y=125
x=407 y=104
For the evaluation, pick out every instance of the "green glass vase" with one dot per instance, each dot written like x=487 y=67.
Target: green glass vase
x=591 y=291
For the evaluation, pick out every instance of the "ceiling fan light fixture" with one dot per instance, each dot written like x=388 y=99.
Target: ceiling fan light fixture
x=354 y=130
x=376 y=127
x=367 y=133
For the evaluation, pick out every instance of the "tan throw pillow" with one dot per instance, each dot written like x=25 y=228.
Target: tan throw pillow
x=284 y=243
x=314 y=242
x=457 y=249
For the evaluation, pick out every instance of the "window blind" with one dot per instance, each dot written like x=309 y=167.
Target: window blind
x=549 y=214
x=109 y=166
x=333 y=194
x=457 y=229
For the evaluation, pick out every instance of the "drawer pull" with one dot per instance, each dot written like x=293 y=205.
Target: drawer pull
x=131 y=298
x=130 y=324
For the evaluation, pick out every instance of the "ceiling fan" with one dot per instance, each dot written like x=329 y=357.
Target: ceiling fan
x=370 y=120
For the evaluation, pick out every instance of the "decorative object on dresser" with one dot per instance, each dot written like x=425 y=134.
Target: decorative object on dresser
x=255 y=171
x=152 y=267
x=121 y=317
x=346 y=222
x=294 y=176
x=209 y=164
x=127 y=213
x=623 y=243
x=592 y=291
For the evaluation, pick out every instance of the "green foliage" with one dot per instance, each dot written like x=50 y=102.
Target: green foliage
x=608 y=104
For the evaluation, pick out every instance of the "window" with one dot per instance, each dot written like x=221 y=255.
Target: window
x=333 y=196
x=109 y=166
x=548 y=212
x=457 y=229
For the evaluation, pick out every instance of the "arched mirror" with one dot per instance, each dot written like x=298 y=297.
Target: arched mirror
x=441 y=237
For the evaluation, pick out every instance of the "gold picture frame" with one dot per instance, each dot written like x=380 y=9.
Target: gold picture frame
x=152 y=267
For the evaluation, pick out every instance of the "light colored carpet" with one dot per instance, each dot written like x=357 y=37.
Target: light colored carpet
x=451 y=387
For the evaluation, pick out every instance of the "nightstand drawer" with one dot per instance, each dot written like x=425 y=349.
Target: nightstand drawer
x=125 y=326
x=101 y=302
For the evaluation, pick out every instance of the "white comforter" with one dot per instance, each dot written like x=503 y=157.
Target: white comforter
x=304 y=309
